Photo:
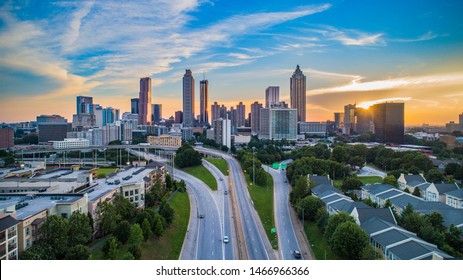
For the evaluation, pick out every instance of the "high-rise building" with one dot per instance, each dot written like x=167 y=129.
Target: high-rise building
x=84 y=105
x=144 y=102
x=204 y=102
x=178 y=117
x=298 y=94
x=110 y=115
x=240 y=115
x=231 y=115
x=222 y=132
x=223 y=112
x=215 y=111
x=460 y=118
x=255 y=117
x=6 y=137
x=338 y=120
x=364 y=120
x=52 y=128
x=272 y=96
x=349 y=119
x=134 y=105
x=278 y=123
x=188 y=99
x=389 y=122
x=157 y=113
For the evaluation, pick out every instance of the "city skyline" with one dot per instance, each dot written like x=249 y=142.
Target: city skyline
x=350 y=52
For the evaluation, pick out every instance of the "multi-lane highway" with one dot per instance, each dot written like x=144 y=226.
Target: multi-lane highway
x=287 y=241
x=257 y=244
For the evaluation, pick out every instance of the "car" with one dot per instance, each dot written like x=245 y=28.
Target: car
x=286 y=181
x=220 y=179
x=201 y=216
x=225 y=239
x=296 y=254
x=225 y=192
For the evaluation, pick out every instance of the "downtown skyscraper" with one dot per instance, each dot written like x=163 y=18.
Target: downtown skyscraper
x=84 y=105
x=204 y=102
x=272 y=96
x=297 y=94
x=144 y=102
x=188 y=99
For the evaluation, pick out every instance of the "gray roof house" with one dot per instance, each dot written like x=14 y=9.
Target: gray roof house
x=436 y=192
x=454 y=199
x=410 y=181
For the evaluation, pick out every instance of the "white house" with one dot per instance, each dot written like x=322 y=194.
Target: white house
x=436 y=192
x=455 y=198
x=410 y=181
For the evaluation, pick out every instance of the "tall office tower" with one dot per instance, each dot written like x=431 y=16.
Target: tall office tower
x=223 y=112
x=278 y=123
x=389 y=122
x=188 y=99
x=178 y=117
x=231 y=115
x=272 y=96
x=215 y=111
x=6 y=137
x=84 y=105
x=338 y=120
x=297 y=94
x=240 y=115
x=264 y=123
x=134 y=105
x=222 y=132
x=349 y=119
x=157 y=113
x=255 y=117
x=460 y=118
x=204 y=102
x=110 y=115
x=144 y=102
x=364 y=120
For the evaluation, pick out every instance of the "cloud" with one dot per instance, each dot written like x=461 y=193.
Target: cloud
x=367 y=104
x=72 y=35
x=361 y=40
x=425 y=37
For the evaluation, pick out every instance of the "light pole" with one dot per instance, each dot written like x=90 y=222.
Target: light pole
x=253 y=169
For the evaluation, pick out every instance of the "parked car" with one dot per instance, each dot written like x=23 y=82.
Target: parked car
x=225 y=239
x=201 y=216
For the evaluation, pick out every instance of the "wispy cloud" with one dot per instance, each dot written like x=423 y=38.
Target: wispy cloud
x=425 y=37
x=367 y=104
x=349 y=37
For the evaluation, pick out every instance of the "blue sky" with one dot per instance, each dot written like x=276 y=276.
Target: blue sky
x=350 y=51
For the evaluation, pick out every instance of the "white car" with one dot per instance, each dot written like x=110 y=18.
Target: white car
x=225 y=239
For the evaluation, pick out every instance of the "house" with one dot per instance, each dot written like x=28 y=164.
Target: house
x=329 y=197
x=372 y=190
x=402 y=201
x=423 y=189
x=436 y=192
x=319 y=179
x=319 y=189
x=8 y=238
x=361 y=215
x=410 y=181
x=454 y=198
x=396 y=243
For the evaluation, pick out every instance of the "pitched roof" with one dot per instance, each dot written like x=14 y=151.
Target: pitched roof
x=335 y=197
x=413 y=249
x=7 y=222
x=443 y=188
x=451 y=215
x=456 y=193
x=342 y=205
x=405 y=199
x=358 y=205
x=389 y=194
x=413 y=180
x=320 y=179
x=376 y=224
x=379 y=188
x=424 y=186
x=384 y=214
x=319 y=189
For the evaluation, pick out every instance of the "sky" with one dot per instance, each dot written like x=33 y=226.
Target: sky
x=361 y=51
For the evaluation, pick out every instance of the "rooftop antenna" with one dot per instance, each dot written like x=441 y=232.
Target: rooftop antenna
x=204 y=76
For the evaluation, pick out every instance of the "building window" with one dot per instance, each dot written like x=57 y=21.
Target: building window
x=27 y=231
x=136 y=198
x=28 y=243
x=64 y=215
x=136 y=191
x=131 y=192
x=126 y=193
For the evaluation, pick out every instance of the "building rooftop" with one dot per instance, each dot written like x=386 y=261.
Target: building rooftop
x=384 y=214
x=379 y=188
x=456 y=193
x=414 y=180
x=443 y=188
x=413 y=249
x=320 y=179
x=335 y=197
x=405 y=199
x=7 y=222
x=319 y=189
x=390 y=193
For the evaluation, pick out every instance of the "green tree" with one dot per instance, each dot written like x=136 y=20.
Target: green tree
x=38 y=252
x=334 y=221
x=124 y=208
x=309 y=206
x=112 y=250
x=349 y=240
x=416 y=192
x=451 y=168
x=169 y=183
x=108 y=218
x=340 y=155
x=78 y=252
x=300 y=189
x=357 y=161
x=186 y=156
x=435 y=176
x=54 y=234
x=80 y=231
x=351 y=183
x=158 y=227
x=391 y=180
x=167 y=212
x=136 y=236
x=146 y=228
x=122 y=231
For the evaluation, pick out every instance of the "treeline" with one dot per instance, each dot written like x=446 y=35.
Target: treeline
x=246 y=158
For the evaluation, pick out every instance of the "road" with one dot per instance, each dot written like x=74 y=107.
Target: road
x=370 y=171
x=287 y=241
x=222 y=199
x=204 y=239
x=257 y=248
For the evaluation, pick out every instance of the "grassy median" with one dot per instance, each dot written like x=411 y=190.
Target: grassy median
x=318 y=242
x=220 y=163
x=202 y=174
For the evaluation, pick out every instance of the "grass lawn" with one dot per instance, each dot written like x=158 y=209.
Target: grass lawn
x=262 y=196
x=371 y=179
x=220 y=163
x=168 y=247
x=102 y=172
x=318 y=242
x=202 y=174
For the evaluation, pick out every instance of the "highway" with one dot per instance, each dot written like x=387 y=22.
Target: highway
x=254 y=234
x=222 y=200
x=287 y=241
x=205 y=235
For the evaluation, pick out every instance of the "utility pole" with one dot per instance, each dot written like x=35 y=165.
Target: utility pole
x=253 y=169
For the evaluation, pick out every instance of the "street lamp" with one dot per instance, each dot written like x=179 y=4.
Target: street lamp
x=313 y=245
x=253 y=169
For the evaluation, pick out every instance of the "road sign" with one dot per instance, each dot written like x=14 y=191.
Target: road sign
x=276 y=165
x=273 y=230
x=283 y=165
